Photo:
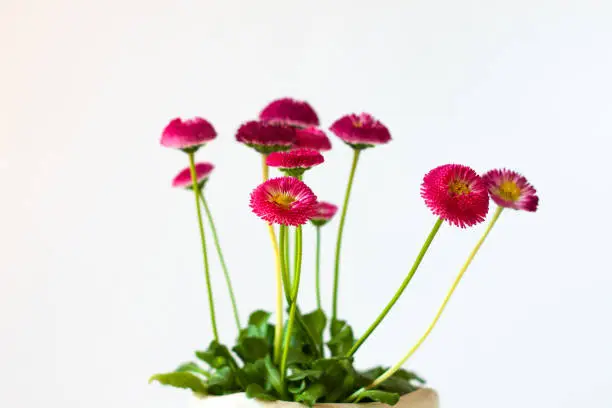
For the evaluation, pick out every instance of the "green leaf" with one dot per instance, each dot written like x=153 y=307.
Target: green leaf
x=181 y=380
x=311 y=394
x=259 y=327
x=223 y=381
x=217 y=356
x=342 y=338
x=401 y=382
x=297 y=387
x=339 y=377
x=311 y=374
x=316 y=322
x=250 y=349
x=255 y=372
x=256 y=391
x=259 y=318
x=297 y=356
x=273 y=376
x=214 y=361
x=408 y=376
x=191 y=368
x=389 y=398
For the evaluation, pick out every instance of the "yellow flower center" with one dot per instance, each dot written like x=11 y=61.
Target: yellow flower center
x=459 y=187
x=283 y=200
x=508 y=190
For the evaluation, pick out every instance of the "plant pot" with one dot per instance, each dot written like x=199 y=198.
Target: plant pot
x=423 y=398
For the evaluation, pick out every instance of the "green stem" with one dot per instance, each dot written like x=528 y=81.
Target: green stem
x=211 y=302
x=284 y=238
x=288 y=259
x=278 y=328
x=221 y=259
x=288 y=251
x=389 y=373
x=318 y=268
x=294 y=295
x=340 y=231
x=399 y=292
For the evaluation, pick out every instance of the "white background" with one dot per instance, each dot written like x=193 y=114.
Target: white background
x=101 y=281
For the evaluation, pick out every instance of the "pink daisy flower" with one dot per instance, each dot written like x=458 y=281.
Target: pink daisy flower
x=284 y=200
x=295 y=162
x=312 y=138
x=266 y=138
x=361 y=131
x=324 y=212
x=187 y=134
x=511 y=190
x=457 y=194
x=183 y=179
x=289 y=112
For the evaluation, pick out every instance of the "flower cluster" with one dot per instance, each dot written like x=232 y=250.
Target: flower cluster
x=288 y=360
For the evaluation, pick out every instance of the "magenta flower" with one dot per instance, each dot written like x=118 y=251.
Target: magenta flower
x=361 y=131
x=284 y=200
x=187 y=134
x=511 y=190
x=266 y=138
x=312 y=138
x=289 y=112
x=457 y=194
x=295 y=162
x=183 y=179
x=324 y=212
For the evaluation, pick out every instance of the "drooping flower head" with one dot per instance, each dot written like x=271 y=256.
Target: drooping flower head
x=457 y=194
x=187 y=134
x=289 y=112
x=264 y=137
x=511 y=190
x=295 y=162
x=324 y=212
x=312 y=138
x=284 y=200
x=361 y=131
x=183 y=179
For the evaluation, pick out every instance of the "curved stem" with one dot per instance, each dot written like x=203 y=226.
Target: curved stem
x=340 y=231
x=318 y=268
x=288 y=249
x=400 y=363
x=278 y=328
x=284 y=238
x=294 y=295
x=228 y=280
x=211 y=301
x=399 y=292
x=288 y=259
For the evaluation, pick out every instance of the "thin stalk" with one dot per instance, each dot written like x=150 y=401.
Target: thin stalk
x=400 y=363
x=294 y=295
x=211 y=301
x=284 y=238
x=278 y=328
x=401 y=289
x=288 y=260
x=288 y=250
x=349 y=186
x=228 y=280
x=318 y=268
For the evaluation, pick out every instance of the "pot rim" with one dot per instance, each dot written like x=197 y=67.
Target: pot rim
x=422 y=393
